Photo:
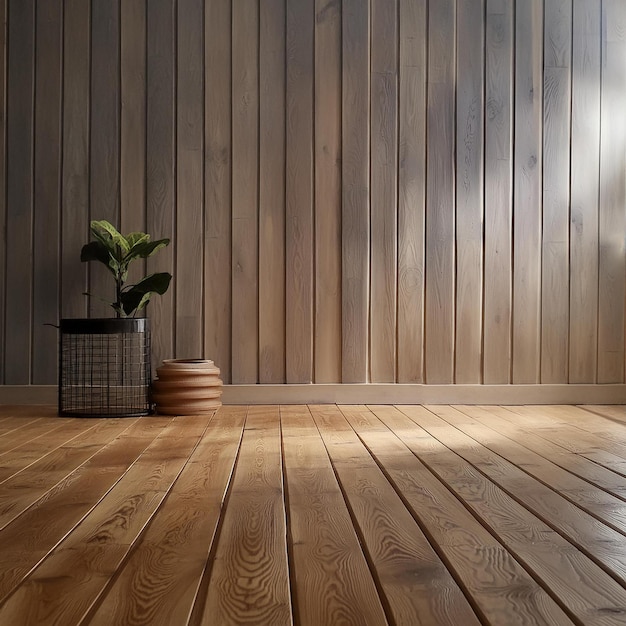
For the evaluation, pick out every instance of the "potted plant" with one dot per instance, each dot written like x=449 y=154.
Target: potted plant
x=104 y=363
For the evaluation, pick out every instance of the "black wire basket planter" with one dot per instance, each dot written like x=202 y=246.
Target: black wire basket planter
x=104 y=367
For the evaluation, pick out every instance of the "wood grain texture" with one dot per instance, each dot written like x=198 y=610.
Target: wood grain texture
x=586 y=69
x=38 y=446
x=411 y=189
x=133 y=122
x=272 y=217
x=20 y=436
x=383 y=192
x=527 y=190
x=556 y=173
x=22 y=490
x=417 y=586
x=3 y=181
x=603 y=543
x=440 y=228
x=498 y=192
x=299 y=191
x=470 y=124
x=504 y=421
x=189 y=179
x=355 y=175
x=612 y=221
x=217 y=186
x=47 y=191
x=245 y=186
x=160 y=163
x=320 y=524
x=173 y=550
x=62 y=590
x=65 y=506
x=315 y=514
x=327 y=173
x=104 y=155
x=75 y=171
x=251 y=558
x=323 y=168
x=475 y=556
x=19 y=193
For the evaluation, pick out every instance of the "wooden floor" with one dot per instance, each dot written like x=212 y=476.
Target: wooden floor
x=315 y=515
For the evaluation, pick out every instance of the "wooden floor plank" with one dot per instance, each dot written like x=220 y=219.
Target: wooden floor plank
x=556 y=429
x=25 y=488
x=615 y=412
x=578 y=584
x=315 y=516
x=334 y=590
x=11 y=425
x=249 y=581
x=31 y=432
x=577 y=465
x=28 y=411
x=579 y=426
x=502 y=591
x=36 y=449
x=75 y=574
x=27 y=539
x=417 y=586
x=159 y=582
x=607 y=508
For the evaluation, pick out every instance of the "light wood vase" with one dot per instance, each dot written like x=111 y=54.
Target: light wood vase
x=187 y=387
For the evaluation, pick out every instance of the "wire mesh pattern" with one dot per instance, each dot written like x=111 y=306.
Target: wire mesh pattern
x=104 y=368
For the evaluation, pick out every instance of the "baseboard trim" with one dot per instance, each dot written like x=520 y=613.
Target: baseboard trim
x=375 y=394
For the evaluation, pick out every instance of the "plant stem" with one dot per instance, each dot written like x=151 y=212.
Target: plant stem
x=118 y=295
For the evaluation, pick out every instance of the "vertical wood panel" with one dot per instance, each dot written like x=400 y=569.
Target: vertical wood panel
x=586 y=50
x=19 y=211
x=3 y=215
x=527 y=192
x=411 y=189
x=272 y=191
x=105 y=139
x=133 y=120
x=469 y=190
x=299 y=191
x=498 y=192
x=160 y=178
x=612 y=223
x=245 y=150
x=383 y=204
x=327 y=323
x=439 y=326
x=47 y=210
x=189 y=179
x=556 y=176
x=133 y=125
x=217 y=216
x=75 y=148
x=355 y=191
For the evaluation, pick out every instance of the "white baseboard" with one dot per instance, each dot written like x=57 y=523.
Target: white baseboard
x=376 y=394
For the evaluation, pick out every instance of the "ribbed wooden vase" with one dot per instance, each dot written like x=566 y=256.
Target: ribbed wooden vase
x=187 y=387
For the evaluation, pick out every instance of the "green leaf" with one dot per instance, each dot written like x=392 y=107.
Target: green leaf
x=157 y=283
x=137 y=296
x=134 y=238
x=106 y=232
x=144 y=249
x=97 y=251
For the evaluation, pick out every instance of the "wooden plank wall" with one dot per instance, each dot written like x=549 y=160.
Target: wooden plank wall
x=411 y=191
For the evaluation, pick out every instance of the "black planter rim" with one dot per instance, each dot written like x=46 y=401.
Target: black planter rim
x=104 y=325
